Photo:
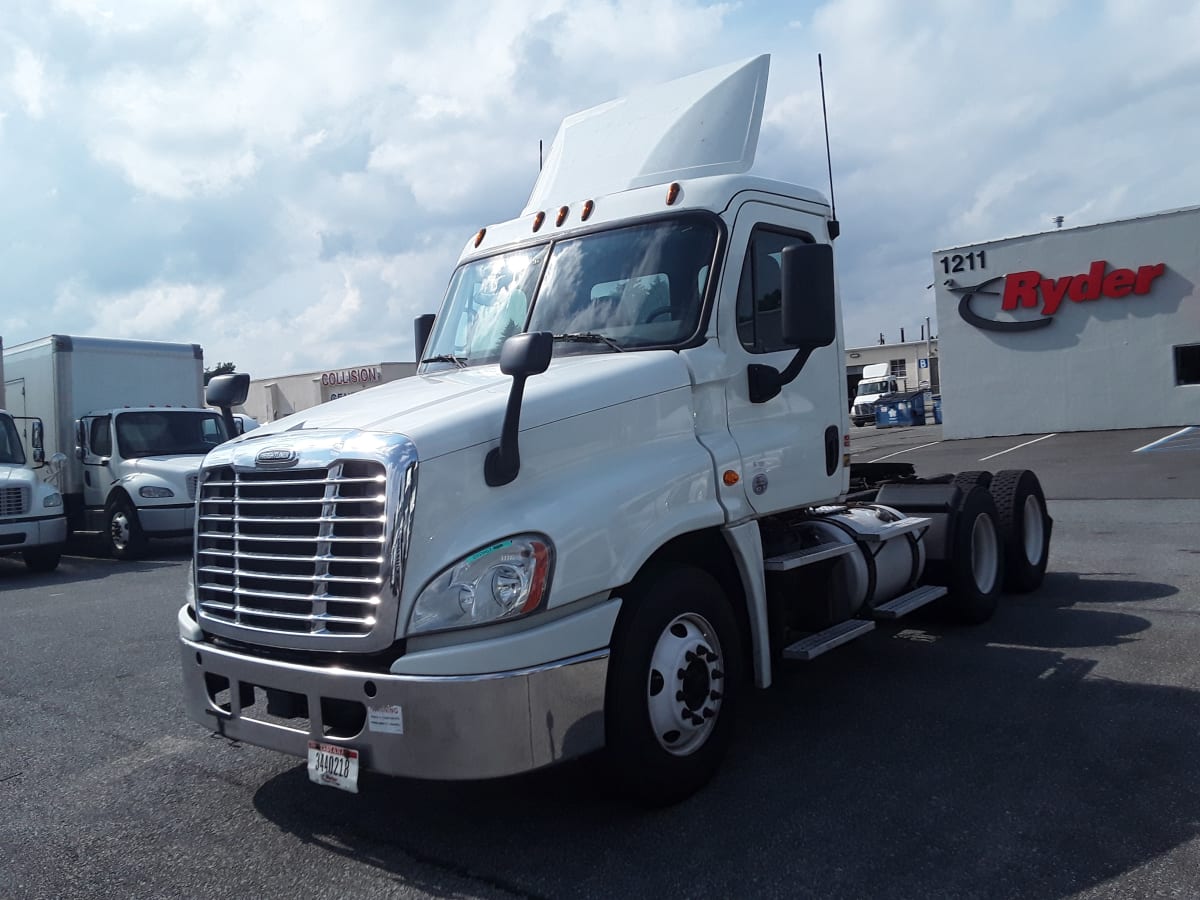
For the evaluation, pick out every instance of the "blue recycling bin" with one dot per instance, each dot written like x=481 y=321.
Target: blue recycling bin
x=937 y=409
x=917 y=407
x=893 y=411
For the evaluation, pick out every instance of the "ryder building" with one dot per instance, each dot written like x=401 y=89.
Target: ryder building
x=1089 y=328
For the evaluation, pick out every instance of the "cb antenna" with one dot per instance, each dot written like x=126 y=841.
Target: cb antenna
x=835 y=227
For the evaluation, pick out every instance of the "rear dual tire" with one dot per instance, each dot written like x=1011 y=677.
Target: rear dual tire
x=1024 y=527
x=974 y=571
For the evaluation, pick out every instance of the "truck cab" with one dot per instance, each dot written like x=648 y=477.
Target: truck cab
x=613 y=498
x=140 y=467
x=32 y=524
x=876 y=382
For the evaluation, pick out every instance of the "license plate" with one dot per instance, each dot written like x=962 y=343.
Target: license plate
x=333 y=766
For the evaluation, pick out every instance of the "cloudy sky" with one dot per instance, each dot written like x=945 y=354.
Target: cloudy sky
x=289 y=183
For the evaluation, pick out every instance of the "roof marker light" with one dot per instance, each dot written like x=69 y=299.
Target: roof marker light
x=538 y=220
x=562 y=215
x=588 y=206
x=672 y=193
x=479 y=236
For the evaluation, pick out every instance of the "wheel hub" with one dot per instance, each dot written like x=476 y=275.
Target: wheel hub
x=684 y=684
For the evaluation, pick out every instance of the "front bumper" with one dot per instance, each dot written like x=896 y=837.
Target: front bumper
x=453 y=727
x=178 y=518
x=27 y=534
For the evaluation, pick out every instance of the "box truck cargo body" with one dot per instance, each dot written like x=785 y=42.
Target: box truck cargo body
x=129 y=418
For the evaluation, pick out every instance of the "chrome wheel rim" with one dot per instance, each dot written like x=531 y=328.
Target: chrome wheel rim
x=1033 y=525
x=985 y=554
x=684 y=688
x=119 y=527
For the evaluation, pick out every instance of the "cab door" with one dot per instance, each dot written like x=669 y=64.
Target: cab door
x=97 y=454
x=791 y=444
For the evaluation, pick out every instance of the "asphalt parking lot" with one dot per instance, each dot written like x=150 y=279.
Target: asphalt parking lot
x=1052 y=752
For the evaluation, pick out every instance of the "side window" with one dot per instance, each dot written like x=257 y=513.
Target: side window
x=760 y=291
x=100 y=437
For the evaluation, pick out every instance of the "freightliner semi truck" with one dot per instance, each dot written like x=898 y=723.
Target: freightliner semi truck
x=127 y=418
x=614 y=498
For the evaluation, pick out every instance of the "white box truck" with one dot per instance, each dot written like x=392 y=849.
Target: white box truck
x=128 y=417
x=32 y=524
x=612 y=500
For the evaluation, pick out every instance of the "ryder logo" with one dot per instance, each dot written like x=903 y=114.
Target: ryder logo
x=1030 y=290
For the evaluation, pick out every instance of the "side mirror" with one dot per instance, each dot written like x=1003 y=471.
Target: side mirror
x=808 y=311
x=226 y=391
x=521 y=356
x=80 y=440
x=422 y=327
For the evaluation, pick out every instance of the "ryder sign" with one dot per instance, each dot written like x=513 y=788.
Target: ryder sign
x=1032 y=290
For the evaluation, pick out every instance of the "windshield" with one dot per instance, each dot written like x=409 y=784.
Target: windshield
x=638 y=286
x=11 y=451
x=167 y=432
x=872 y=387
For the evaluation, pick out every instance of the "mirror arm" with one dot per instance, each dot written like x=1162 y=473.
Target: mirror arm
x=766 y=381
x=503 y=463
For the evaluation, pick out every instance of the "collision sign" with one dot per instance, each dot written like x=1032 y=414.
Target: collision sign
x=1032 y=290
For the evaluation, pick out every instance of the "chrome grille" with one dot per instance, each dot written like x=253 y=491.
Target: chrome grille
x=191 y=486
x=297 y=551
x=14 y=501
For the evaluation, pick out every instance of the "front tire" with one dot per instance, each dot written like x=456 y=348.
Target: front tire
x=123 y=532
x=43 y=559
x=674 y=680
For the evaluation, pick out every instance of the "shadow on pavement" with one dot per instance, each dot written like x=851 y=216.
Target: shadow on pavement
x=910 y=764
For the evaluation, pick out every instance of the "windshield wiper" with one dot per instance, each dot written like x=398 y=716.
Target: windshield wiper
x=589 y=337
x=459 y=361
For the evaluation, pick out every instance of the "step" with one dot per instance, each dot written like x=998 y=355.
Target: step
x=907 y=525
x=794 y=559
x=906 y=603
x=815 y=644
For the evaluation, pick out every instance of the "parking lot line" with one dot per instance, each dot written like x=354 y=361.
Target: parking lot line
x=1163 y=440
x=1018 y=447
x=905 y=450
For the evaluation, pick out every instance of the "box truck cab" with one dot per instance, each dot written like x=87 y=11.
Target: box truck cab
x=129 y=418
x=32 y=524
x=876 y=381
x=612 y=499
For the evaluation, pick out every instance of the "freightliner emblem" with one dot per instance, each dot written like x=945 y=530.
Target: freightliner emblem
x=276 y=458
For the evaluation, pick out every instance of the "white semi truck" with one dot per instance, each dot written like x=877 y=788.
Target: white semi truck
x=612 y=500
x=876 y=381
x=128 y=418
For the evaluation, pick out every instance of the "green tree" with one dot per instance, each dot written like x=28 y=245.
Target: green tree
x=221 y=368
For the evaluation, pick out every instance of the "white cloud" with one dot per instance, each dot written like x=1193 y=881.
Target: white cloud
x=29 y=82
x=306 y=173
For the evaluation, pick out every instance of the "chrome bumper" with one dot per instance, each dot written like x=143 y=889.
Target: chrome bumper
x=475 y=726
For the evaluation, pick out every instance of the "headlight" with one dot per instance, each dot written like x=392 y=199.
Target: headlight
x=151 y=492
x=52 y=501
x=509 y=579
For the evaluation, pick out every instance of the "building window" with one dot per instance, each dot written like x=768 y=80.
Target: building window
x=899 y=368
x=1187 y=364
